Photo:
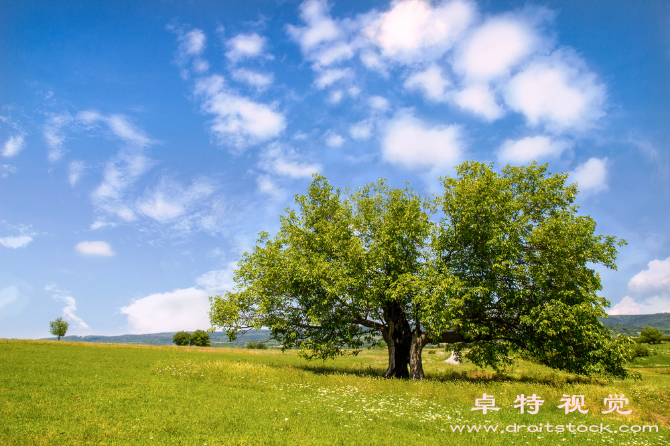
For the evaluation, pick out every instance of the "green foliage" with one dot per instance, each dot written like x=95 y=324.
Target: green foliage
x=508 y=269
x=515 y=270
x=58 y=327
x=639 y=351
x=200 y=338
x=182 y=338
x=651 y=335
x=257 y=345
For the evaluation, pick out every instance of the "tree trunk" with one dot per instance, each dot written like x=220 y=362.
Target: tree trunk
x=398 y=338
x=59 y=337
x=419 y=341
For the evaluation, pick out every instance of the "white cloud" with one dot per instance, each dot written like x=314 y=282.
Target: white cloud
x=119 y=126
x=479 y=99
x=77 y=169
x=266 y=185
x=13 y=145
x=245 y=46
x=430 y=83
x=97 y=248
x=650 y=305
x=258 y=80
x=335 y=97
x=531 y=148
x=219 y=280
x=628 y=305
x=337 y=53
x=120 y=173
x=70 y=306
x=361 y=130
x=378 y=103
x=328 y=77
x=181 y=309
x=334 y=140
x=558 y=91
x=655 y=280
x=414 y=30
x=54 y=135
x=651 y=287
x=238 y=121
x=6 y=169
x=169 y=199
x=286 y=162
x=411 y=143
x=192 y=43
x=591 y=176
x=320 y=27
x=495 y=48
x=20 y=241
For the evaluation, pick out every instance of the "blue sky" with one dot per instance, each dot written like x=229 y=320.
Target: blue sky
x=144 y=145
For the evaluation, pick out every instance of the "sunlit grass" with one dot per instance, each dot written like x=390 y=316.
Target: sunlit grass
x=75 y=393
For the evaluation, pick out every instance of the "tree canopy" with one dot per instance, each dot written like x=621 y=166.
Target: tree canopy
x=507 y=269
x=651 y=335
x=58 y=327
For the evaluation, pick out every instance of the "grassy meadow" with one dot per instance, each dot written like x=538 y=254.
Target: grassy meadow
x=67 y=393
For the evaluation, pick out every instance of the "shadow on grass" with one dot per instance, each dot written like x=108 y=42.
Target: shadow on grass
x=551 y=378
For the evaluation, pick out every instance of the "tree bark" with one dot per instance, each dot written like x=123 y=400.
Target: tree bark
x=398 y=338
x=419 y=341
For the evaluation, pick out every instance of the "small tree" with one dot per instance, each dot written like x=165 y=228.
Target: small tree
x=182 y=338
x=200 y=338
x=651 y=335
x=59 y=327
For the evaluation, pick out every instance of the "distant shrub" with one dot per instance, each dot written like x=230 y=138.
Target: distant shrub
x=258 y=345
x=639 y=351
x=651 y=335
x=431 y=352
x=182 y=338
x=200 y=338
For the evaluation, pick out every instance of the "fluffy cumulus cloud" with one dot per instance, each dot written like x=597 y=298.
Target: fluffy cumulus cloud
x=410 y=143
x=245 y=46
x=417 y=31
x=531 y=148
x=181 y=309
x=591 y=176
x=13 y=145
x=334 y=140
x=495 y=47
x=97 y=248
x=480 y=100
x=649 y=291
x=557 y=91
x=70 y=306
x=191 y=46
x=429 y=82
x=238 y=122
x=320 y=27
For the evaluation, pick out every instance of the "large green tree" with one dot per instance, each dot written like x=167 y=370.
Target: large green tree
x=508 y=260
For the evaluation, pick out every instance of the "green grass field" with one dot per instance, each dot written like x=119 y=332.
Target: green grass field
x=61 y=393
